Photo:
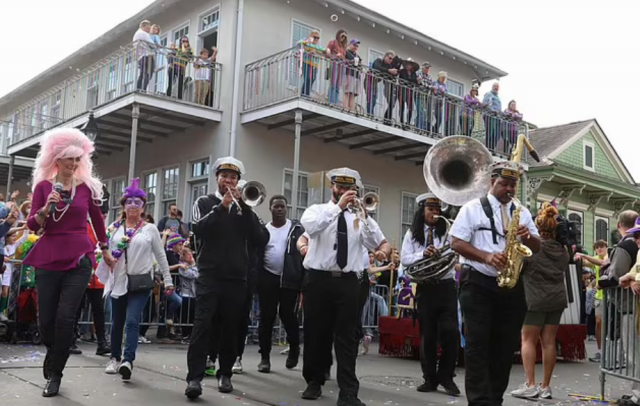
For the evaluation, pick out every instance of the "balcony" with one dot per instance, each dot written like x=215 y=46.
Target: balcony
x=109 y=89
x=295 y=80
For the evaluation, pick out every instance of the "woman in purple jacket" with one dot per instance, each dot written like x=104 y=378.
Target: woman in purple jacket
x=66 y=192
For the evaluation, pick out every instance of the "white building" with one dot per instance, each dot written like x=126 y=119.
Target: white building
x=252 y=110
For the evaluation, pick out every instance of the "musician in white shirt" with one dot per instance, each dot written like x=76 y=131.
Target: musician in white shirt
x=437 y=298
x=331 y=290
x=493 y=316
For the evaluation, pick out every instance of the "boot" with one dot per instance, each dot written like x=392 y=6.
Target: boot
x=52 y=387
x=265 y=365
x=47 y=366
x=293 y=357
x=103 y=349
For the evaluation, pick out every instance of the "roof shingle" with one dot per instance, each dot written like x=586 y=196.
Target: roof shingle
x=546 y=140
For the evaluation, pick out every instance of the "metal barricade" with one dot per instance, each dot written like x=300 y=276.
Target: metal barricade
x=620 y=354
x=22 y=324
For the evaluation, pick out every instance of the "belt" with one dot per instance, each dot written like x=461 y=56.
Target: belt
x=333 y=274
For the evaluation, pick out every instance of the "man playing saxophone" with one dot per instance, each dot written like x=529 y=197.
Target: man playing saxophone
x=493 y=315
x=437 y=297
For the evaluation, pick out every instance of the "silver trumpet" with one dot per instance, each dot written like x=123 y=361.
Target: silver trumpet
x=368 y=203
x=253 y=194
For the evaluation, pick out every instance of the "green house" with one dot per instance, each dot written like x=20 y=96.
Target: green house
x=581 y=170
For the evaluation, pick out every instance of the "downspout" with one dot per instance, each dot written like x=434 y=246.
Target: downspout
x=236 y=79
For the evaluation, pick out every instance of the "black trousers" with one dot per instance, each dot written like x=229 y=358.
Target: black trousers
x=276 y=300
x=438 y=316
x=59 y=295
x=493 y=320
x=365 y=289
x=221 y=299
x=243 y=328
x=331 y=309
x=94 y=296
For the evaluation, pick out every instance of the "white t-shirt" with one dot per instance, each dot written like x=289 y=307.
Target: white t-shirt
x=276 y=248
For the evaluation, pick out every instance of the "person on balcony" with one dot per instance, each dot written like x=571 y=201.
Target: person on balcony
x=543 y=277
x=492 y=120
x=141 y=40
x=471 y=105
x=352 y=85
x=337 y=51
x=178 y=59
x=440 y=91
x=513 y=119
x=311 y=50
x=388 y=67
x=408 y=74
x=203 y=73
x=423 y=98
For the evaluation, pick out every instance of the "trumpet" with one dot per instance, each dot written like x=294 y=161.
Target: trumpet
x=368 y=203
x=253 y=194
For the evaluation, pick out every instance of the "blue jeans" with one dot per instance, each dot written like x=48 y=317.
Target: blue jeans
x=127 y=312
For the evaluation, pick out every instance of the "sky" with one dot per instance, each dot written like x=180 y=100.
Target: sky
x=567 y=60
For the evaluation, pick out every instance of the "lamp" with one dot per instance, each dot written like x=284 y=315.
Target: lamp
x=91 y=129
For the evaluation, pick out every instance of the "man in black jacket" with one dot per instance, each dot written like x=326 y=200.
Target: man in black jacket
x=280 y=280
x=223 y=226
x=388 y=67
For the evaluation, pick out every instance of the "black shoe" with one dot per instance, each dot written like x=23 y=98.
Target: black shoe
x=427 y=386
x=450 y=387
x=75 y=350
x=349 y=400
x=103 y=349
x=51 y=388
x=265 y=365
x=47 y=365
x=293 y=357
x=313 y=391
x=194 y=390
x=224 y=384
x=327 y=374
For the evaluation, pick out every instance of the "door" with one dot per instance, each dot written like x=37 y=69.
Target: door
x=197 y=190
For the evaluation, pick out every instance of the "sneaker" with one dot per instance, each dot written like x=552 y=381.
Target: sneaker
x=596 y=358
x=211 y=368
x=545 y=393
x=526 y=392
x=3 y=318
x=112 y=367
x=365 y=344
x=285 y=351
x=237 y=367
x=125 y=370
x=169 y=322
x=143 y=340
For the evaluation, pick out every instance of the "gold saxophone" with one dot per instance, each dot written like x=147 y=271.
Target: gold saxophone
x=515 y=251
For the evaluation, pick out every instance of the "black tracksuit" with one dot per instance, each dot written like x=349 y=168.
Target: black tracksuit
x=281 y=292
x=222 y=238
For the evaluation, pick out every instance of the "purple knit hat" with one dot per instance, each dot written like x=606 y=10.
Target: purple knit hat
x=173 y=240
x=134 y=190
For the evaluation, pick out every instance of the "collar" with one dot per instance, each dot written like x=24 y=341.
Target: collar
x=495 y=203
x=218 y=195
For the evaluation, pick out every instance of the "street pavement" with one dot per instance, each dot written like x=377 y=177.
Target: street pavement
x=160 y=369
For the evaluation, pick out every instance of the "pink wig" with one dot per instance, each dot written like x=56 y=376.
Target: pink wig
x=65 y=143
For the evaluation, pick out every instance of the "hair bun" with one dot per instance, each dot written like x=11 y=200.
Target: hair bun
x=548 y=210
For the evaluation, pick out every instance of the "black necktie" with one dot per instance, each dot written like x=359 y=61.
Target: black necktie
x=342 y=241
x=430 y=237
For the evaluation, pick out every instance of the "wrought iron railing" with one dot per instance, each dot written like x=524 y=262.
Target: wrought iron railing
x=299 y=73
x=135 y=68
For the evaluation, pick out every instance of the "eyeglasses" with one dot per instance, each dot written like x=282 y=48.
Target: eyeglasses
x=133 y=202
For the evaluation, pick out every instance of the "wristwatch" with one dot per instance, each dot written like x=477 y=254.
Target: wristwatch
x=40 y=213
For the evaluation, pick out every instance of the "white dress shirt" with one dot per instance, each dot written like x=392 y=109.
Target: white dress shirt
x=413 y=251
x=471 y=218
x=142 y=36
x=321 y=224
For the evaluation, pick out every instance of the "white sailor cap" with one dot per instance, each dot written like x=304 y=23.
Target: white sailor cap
x=359 y=184
x=428 y=199
x=241 y=183
x=506 y=169
x=228 y=163
x=344 y=176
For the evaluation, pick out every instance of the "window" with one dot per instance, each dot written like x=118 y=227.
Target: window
x=589 y=156
x=117 y=190
x=408 y=210
x=577 y=217
x=602 y=229
x=45 y=120
x=200 y=169
x=177 y=34
x=56 y=102
x=455 y=88
x=209 y=21
x=300 y=31
x=376 y=190
x=170 y=181
x=128 y=73
x=303 y=192
x=161 y=71
x=151 y=189
x=373 y=55
x=93 y=89
x=112 y=81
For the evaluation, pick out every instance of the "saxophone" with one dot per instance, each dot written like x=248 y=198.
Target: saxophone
x=515 y=251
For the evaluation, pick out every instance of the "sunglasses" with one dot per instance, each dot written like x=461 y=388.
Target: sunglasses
x=134 y=203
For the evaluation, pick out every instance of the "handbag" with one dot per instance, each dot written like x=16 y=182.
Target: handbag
x=140 y=283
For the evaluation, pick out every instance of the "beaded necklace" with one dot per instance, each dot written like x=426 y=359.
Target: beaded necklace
x=67 y=202
x=123 y=244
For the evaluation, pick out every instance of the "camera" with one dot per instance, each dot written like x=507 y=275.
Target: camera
x=567 y=235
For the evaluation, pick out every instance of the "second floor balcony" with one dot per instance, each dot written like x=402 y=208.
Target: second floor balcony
x=364 y=107
x=176 y=90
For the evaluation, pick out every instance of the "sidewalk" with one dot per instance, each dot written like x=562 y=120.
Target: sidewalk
x=159 y=372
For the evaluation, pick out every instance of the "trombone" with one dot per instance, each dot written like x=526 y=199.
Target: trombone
x=253 y=194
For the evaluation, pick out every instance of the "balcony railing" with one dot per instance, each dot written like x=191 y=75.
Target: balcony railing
x=364 y=92
x=135 y=68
